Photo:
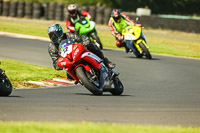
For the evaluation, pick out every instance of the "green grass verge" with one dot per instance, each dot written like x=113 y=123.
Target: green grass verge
x=85 y=127
x=19 y=72
x=160 y=41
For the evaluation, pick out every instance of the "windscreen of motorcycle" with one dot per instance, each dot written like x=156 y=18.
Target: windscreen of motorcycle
x=66 y=50
x=66 y=47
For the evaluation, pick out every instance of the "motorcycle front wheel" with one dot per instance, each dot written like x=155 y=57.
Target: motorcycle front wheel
x=119 y=88
x=5 y=86
x=87 y=81
x=146 y=51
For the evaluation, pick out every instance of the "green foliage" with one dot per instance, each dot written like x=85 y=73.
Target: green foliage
x=181 y=7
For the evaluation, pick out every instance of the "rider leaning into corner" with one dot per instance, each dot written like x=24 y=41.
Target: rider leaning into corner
x=56 y=35
x=74 y=15
x=118 y=21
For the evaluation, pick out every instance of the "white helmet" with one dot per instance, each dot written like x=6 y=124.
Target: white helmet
x=72 y=9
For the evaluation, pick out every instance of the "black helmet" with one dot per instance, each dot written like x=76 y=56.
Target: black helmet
x=55 y=32
x=116 y=15
x=72 y=9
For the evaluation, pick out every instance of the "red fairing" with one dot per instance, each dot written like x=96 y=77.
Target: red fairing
x=64 y=62
x=69 y=26
x=78 y=49
x=93 y=62
x=86 y=14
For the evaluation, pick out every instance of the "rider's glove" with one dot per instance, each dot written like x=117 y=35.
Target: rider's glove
x=119 y=37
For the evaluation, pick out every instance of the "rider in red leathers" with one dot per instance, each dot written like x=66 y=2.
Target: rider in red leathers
x=74 y=15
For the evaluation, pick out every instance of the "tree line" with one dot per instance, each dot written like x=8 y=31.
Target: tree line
x=180 y=7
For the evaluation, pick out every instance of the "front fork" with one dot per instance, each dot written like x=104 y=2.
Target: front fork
x=129 y=44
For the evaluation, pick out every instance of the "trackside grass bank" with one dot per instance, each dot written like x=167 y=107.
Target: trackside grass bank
x=159 y=41
x=85 y=127
x=19 y=73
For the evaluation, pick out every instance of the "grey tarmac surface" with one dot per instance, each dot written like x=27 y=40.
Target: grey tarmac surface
x=161 y=91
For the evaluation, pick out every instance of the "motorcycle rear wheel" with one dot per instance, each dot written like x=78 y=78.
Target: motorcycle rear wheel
x=5 y=86
x=146 y=51
x=119 y=88
x=81 y=72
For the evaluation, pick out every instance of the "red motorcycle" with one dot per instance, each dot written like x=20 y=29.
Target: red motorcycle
x=88 y=69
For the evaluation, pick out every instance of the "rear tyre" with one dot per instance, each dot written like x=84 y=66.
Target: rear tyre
x=5 y=86
x=146 y=51
x=81 y=72
x=119 y=88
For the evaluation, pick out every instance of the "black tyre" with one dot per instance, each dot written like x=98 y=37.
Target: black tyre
x=87 y=81
x=137 y=54
x=107 y=12
x=28 y=9
x=6 y=7
x=37 y=10
x=21 y=9
x=59 y=11
x=119 y=88
x=5 y=86
x=145 y=50
x=95 y=37
x=92 y=12
x=99 y=15
x=13 y=9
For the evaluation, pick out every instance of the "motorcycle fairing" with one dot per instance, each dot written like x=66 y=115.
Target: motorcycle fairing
x=92 y=59
x=85 y=26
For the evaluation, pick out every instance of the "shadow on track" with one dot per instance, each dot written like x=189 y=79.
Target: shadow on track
x=101 y=95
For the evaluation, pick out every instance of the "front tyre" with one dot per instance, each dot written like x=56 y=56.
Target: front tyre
x=119 y=88
x=5 y=86
x=145 y=50
x=86 y=81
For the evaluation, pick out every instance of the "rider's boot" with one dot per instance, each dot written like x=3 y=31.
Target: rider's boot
x=108 y=63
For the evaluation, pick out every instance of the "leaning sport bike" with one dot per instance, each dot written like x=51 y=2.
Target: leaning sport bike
x=87 y=27
x=135 y=41
x=5 y=84
x=88 y=69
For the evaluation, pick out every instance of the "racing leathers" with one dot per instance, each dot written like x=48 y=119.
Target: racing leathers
x=117 y=28
x=53 y=49
x=70 y=22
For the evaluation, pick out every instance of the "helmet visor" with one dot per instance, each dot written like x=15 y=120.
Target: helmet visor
x=117 y=19
x=72 y=13
x=55 y=38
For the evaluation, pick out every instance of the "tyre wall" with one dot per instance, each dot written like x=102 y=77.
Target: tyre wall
x=101 y=15
x=21 y=9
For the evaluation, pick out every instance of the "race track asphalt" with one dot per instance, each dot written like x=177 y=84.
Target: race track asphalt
x=161 y=91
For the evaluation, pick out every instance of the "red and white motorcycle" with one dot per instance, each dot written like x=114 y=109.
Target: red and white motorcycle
x=88 y=69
